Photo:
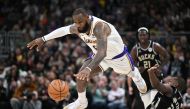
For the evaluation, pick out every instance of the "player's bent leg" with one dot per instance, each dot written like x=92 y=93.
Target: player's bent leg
x=139 y=81
x=82 y=102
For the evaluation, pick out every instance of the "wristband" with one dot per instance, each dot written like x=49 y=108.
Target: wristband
x=43 y=39
x=89 y=69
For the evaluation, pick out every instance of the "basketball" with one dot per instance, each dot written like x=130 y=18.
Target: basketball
x=58 y=90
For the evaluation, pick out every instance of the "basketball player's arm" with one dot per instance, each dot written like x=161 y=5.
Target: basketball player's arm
x=164 y=55
x=135 y=58
x=101 y=31
x=62 y=31
x=134 y=54
x=165 y=89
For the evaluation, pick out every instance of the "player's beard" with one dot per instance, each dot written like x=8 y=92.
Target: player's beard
x=85 y=28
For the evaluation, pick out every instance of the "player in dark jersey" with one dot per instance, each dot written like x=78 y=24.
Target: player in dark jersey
x=168 y=95
x=146 y=53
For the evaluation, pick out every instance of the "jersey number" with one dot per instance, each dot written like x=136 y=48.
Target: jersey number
x=146 y=64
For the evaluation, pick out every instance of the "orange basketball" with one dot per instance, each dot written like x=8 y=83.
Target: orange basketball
x=58 y=90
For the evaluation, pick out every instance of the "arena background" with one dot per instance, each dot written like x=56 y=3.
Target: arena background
x=24 y=20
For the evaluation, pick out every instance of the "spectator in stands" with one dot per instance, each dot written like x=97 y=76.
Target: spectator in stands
x=116 y=97
x=100 y=93
x=23 y=93
x=32 y=102
x=47 y=103
x=69 y=78
x=188 y=82
x=186 y=99
x=51 y=75
x=12 y=74
x=4 y=100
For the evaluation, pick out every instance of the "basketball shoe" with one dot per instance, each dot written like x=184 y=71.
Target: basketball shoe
x=77 y=105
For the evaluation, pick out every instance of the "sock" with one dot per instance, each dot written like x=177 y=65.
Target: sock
x=135 y=75
x=82 y=96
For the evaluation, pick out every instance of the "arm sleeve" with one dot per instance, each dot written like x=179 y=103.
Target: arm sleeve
x=57 y=33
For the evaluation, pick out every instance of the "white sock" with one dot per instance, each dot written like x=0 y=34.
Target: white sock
x=135 y=75
x=82 y=96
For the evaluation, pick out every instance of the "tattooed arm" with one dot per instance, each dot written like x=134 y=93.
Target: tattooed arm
x=101 y=31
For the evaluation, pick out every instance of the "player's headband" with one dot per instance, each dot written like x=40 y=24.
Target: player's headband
x=143 y=28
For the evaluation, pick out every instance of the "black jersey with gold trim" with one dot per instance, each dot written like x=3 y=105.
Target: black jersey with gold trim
x=147 y=58
x=161 y=101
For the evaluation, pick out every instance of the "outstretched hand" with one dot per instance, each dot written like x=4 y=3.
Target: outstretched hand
x=154 y=69
x=83 y=75
x=38 y=43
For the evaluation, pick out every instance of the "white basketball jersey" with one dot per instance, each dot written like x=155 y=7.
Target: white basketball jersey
x=115 y=44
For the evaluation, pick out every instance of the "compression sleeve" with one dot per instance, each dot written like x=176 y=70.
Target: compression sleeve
x=57 y=33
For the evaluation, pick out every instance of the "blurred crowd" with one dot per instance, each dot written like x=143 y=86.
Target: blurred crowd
x=36 y=17
x=25 y=74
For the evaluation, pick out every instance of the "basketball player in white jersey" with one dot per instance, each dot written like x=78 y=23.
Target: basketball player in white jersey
x=107 y=46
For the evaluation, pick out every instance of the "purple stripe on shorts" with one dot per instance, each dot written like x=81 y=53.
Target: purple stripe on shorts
x=125 y=51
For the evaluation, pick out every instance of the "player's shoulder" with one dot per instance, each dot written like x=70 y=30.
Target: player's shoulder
x=101 y=25
x=134 y=48
x=176 y=91
x=94 y=18
x=99 y=22
x=156 y=44
x=102 y=28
